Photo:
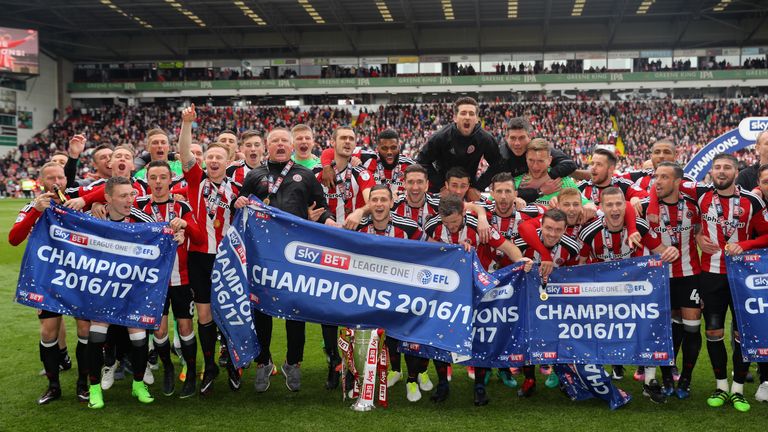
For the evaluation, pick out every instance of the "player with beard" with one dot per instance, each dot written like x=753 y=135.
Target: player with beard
x=678 y=224
x=210 y=193
x=252 y=149
x=161 y=207
x=463 y=143
x=386 y=165
x=504 y=216
x=383 y=221
x=606 y=239
x=454 y=225
x=288 y=186
x=416 y=203
x=601 y=170
x=52 y=178
x=729 y=215
x=304 y=142
x=389 y=165
x=120 y=196
x=349 y=192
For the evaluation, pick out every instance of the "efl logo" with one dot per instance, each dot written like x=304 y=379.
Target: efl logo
x=37 y=298
x=515 y=357
x=70 y=237
x=658 y=355
x=325 y=258
x=426 y=277
x=145 y=319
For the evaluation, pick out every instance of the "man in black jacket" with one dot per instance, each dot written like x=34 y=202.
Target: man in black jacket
x=517 y=136
x=462 y=143
x=286 y=185
x=747 y=178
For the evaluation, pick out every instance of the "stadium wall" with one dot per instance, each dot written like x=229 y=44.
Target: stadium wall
x=40 y=98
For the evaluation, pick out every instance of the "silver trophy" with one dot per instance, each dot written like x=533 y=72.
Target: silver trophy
x=365 y=346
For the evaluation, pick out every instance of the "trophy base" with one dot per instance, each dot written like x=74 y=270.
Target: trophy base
x=361 y=407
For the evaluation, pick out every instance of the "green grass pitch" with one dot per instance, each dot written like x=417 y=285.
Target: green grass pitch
x=314 y=408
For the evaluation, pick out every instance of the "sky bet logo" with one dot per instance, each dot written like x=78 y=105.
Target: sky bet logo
x=322 y=257
x=758 y=124
x=564 y=289
x=70 y=237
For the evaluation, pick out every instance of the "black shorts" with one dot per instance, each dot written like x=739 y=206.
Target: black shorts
x=716 y=296
x=199 y=269
x=685 y=292
x=181 y=299
x=43 y=314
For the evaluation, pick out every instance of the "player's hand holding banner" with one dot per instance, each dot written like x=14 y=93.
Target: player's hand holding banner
x=78 y=265
x=296 y=269
x=606 y=313
x=748 y=279
x=499 y=331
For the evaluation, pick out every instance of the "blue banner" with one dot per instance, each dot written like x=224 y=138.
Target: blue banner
x=231 y=298
x=117 y=273
x=729 y=142
x=588 y=381
x=301 y=270
x=606 y=313
x=748 y=279
x=499 y=332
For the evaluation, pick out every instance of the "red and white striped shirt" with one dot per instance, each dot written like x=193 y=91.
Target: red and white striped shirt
x=420 y=215
x=466 y=234
x=166 y=212
x=398 y=227
x=565 y=252
x=592 y=192
x=676 y=227
x=507 y=227
x=238 y=170
x=347 y=195
x=211 y=205
x=601 y=244
x=724 y=219
x=392 y=176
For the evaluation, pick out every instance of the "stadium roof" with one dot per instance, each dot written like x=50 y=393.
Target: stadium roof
x=109 y=30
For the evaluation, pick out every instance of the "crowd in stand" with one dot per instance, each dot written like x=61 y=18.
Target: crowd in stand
x=575 y=127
